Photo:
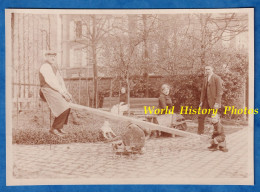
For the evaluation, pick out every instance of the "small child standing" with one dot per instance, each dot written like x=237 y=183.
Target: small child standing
x=218 y=137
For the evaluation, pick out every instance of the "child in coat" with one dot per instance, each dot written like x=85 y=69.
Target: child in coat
x=218 y=140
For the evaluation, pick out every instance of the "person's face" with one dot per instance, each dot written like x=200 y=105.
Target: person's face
x=122 y=90
x=214 y=119
x=166 y=91
x=208 y=70
x=51 y=59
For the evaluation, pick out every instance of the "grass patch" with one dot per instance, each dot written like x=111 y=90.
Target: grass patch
x=33 y=128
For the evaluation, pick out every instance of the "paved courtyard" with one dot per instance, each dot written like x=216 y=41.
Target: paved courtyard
x=164 y=157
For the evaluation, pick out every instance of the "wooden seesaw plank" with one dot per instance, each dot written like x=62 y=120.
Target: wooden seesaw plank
x=144 y=124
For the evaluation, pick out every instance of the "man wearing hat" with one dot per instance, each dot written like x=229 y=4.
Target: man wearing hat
x=54 y=92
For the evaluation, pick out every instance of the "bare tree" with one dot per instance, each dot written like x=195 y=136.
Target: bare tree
x=129 y=49
x=188 y=41
x=97 y=27
x=213 y=28
x=139 y=30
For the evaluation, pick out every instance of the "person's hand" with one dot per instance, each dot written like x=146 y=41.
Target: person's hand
x=216 y=106
x=200 y=104
x=66 y=96
x=211 y=130
x=69 y=95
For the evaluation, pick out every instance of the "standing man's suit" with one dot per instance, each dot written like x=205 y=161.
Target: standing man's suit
x=211 y=94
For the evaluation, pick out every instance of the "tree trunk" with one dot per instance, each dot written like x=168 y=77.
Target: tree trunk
x=95 y=80
x=95 y=74
x=202 y=58
x=146 y=71
x=145 y=59
x=128 y=93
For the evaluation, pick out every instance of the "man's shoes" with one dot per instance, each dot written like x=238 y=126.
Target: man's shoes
x=223 y=149
x=213 y=147
x=57 y=132
x=62 y=132
x=51 y=131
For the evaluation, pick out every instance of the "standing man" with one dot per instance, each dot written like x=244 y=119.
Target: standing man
x=54 y=92
x=211 y=94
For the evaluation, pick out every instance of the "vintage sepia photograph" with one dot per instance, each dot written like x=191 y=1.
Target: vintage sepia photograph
x=161 y=96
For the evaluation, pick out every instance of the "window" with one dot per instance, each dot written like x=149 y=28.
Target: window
x=84 y=57
x=77 y=57
x=72 y=30
x=84 y=30
x=78 y=29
